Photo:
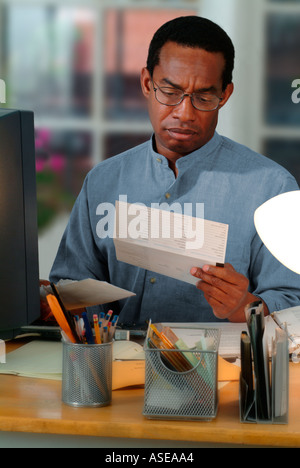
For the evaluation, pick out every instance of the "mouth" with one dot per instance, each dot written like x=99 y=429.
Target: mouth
x=181 y=133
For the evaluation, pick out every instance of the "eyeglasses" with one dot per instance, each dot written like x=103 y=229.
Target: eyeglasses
x=173 y=97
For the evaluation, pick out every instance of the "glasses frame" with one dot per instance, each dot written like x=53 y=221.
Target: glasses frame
x=191 y=95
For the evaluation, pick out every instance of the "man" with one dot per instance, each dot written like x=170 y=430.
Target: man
x=187 y=81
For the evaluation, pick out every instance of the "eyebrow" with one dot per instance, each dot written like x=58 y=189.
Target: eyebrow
x=200 y=90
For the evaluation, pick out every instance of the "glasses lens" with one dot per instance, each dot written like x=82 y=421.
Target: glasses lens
x=205 y=102
x=172 y=97
x=169 y=96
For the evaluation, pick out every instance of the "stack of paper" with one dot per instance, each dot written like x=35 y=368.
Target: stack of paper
x=38 y=359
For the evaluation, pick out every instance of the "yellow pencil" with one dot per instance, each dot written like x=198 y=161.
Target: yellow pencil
x=60 y=317
x=97 y=329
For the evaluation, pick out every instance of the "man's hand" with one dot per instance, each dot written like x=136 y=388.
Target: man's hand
x=46 y=314
x=225 y=290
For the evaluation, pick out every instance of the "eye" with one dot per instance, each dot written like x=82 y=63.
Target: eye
x=204 y=98
x=170 y=92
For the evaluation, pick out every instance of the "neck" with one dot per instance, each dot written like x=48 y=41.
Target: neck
x=172 y=165
x=171 y=156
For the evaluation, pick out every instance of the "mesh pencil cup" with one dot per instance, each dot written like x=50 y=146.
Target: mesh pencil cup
x=87 y=374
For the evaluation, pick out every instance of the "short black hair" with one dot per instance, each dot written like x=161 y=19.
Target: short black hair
x=193 y=31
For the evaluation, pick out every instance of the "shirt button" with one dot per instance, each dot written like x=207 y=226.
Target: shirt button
x=152 y=280
x=158 y=160
x=167 y=195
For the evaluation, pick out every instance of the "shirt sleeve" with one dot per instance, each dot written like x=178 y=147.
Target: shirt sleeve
x=78 y=256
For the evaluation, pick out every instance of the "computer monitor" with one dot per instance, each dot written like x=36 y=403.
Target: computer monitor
x=19 y=268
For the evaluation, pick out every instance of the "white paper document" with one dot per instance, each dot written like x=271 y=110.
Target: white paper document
x=290 y=318
x=230 y=340
x=167 y=243
x=89 y=292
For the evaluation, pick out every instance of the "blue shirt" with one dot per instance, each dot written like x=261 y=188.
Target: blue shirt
x=228 y=178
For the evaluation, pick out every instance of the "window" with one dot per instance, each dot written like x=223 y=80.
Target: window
x=282 y=67
x=280 y=137
x=78 y=68
x=49 y=59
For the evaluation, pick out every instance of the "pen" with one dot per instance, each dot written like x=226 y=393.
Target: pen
x=105 y=335
x=97 y=329
x=81 y=327
x=113 y=328
x=101 y=331
x=76 y=319
x=88 y=331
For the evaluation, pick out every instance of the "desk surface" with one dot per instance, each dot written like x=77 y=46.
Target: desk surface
x=35 y=406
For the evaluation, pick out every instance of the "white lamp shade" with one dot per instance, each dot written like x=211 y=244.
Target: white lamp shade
x=277 y=222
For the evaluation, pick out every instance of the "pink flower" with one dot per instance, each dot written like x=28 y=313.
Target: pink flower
x=40 y=165
x=42 y=138
x=57 y=163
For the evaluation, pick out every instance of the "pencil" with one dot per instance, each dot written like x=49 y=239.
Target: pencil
x=60 y=317
x=107 y=318
x=97 y=329
x=66 y=313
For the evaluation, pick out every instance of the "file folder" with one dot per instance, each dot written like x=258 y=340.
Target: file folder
x=264 y=382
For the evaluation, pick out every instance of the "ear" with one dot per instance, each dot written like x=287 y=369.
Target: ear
x=146 y=82
x=226 y=94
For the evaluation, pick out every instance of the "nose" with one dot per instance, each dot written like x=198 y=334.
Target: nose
x=185 y=111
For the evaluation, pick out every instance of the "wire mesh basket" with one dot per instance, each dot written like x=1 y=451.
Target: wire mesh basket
x=87 y=374
x=190 y=394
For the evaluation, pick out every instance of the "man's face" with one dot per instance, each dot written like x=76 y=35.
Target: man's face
x=182 y=129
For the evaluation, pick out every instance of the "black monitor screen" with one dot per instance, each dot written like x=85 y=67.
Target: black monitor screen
x=19 y=271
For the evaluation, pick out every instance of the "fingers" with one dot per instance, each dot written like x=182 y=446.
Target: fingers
x=44 y=282
x=224 y=288
x=220 y=277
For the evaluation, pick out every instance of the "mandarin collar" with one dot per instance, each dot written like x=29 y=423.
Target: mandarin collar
x=196 y=155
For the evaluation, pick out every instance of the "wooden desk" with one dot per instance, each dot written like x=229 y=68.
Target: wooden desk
x=34 y=406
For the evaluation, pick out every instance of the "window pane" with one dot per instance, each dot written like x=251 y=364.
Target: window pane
x=283 y=66
x=286 y=153
x=127 y=37
x=117 y=143
x=63 y=159
x=49 y=59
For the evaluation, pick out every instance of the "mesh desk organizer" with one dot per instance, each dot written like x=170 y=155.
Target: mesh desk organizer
x=181 y=380
x=264 y=385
